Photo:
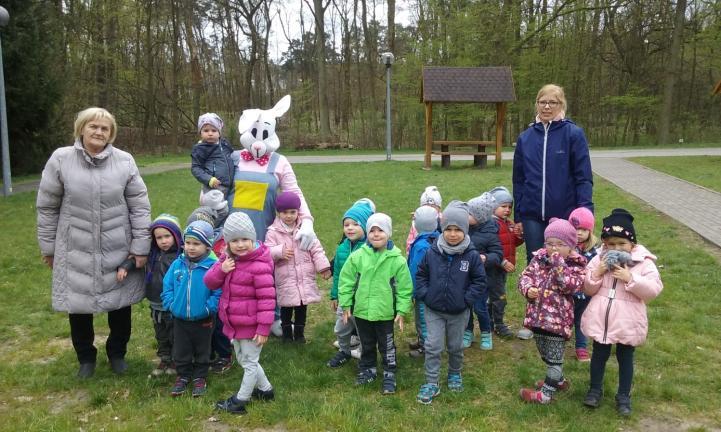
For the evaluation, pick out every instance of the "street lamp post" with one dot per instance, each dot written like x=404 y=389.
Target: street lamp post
x=7 y=185
x=387 y=59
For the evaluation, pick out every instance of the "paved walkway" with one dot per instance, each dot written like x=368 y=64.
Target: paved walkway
x=677 y=198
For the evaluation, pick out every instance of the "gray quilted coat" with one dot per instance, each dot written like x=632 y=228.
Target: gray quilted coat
x=92 y=213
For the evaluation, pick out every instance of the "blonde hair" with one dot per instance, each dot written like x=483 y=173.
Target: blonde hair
x=553 y=90
x=590 y=243
x=94 y=113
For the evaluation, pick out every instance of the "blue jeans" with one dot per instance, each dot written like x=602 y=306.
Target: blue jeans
x=533 y=236
x=480 y=307
x=579 y=305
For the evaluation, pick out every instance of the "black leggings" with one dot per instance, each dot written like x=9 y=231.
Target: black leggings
x=83 y=335
x=286 y=315
x=624 y=355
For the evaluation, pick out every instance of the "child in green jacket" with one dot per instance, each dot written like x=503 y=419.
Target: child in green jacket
x=375 y=287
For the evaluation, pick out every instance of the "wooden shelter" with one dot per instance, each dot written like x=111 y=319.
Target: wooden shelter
x=466 y=85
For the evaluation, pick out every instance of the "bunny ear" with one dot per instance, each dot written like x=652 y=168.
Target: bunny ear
x=281 y=107
x=248 y=117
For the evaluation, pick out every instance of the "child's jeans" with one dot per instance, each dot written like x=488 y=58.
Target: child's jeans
x=191 y=347
x=343 y=331
x=579 y=305
x=624 y=356
x=444 y=330
x=420 y=321
x=247 y=353
x=163 y=326
x=380 y=334
x=480 y=307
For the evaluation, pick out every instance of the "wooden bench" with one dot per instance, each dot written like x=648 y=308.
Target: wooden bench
x=477 y=149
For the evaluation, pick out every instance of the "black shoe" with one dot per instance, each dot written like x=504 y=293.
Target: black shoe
x=232 y=405
x=287 y=333
x=593 y=398
x=299 y=334
x=415 y=345
x=86 y=370
x=503 y=331
x=118 y=365
x=623 y=405
x=339 y=360
x=419 y=352
x=389 y=383
x=366 y=376
x=221 y=365
x=263 y=395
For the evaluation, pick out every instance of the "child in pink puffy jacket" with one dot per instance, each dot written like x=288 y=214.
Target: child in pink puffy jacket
x=622 y=278
x=247 y=306
x=295 y=269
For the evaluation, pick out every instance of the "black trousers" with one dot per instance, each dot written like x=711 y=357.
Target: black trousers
x=163 y=326
x=82 y=334
x=286 y=315
x=219 y=344
x=191 y=347
x=624 y=356
x=380 y=334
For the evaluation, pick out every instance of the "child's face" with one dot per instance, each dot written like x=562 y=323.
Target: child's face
x=288 y=216
x=194 y=247
x=209 y=133
x=240 y=246
x=377 y=238
x=582 y=234
x=453 y=235
x=618 y=243
x=352 y=230
x=555 y=245
x=163 y=238
x=503 y=211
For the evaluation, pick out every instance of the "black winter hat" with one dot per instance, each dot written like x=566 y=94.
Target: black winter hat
x=619 y=224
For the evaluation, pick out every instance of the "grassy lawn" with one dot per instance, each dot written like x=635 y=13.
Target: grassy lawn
x=702 y=170
x=676 y=385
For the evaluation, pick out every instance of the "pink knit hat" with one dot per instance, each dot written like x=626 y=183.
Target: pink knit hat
x=582 y=218
x=562 y=230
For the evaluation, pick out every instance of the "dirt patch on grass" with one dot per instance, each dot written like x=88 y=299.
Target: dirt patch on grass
x=216 y=424
x=61 y=402
x=665 y=424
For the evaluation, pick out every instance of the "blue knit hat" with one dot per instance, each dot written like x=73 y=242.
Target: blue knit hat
x=200 y=230
x=360 y=211
x=501 y=195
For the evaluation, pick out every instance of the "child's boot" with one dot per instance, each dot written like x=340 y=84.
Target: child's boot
x=486 y=341
x=623 y=405
x=299 y=334
x=389 y=383
x=366 y=376
x=287 y=333
x=593 y=398
x=467 y=338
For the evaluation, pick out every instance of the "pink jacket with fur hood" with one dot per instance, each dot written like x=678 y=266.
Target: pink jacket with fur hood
x=247 y=303
x=295 y=277
x=623 y=318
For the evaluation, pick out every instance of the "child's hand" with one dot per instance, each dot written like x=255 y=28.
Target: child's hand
x=621 y=273
x=346 y=315
x=601 y=269
x=532 y=293
x=122 y=273
x=334 y=305
x=214 y=182
x=326 y=274
x=228 y=265
x=509 y=267
x=399 y=320
x=260 y=340
x=518 y=229
x=483 y=258
x=287 y=253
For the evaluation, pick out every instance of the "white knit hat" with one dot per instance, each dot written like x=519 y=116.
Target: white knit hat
x=238 y=225
x=382 y=221
x=431 y=196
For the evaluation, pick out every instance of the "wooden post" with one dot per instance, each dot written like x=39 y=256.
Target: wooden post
x=429 y=136
x=500 y=123
x=446 y=158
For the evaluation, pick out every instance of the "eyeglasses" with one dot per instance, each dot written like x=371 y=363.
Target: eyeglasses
x=550 y=103
x=556 y=246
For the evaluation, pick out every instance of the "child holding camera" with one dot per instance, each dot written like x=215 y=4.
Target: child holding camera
x=622 y=278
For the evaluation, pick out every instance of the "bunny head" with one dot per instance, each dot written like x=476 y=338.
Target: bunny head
x=257 y=128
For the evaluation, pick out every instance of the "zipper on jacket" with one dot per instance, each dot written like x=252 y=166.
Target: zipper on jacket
x=187 y=300
x=393 y=291
x=611 y=296
x=543 y=180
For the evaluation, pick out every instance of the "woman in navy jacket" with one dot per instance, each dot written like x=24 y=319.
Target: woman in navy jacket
x=551 y=169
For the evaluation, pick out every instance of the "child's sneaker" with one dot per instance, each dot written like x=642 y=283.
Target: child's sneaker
x=232 y=405
x=221 y=365
x=534 y=396
x=160 y=369
x=563 y=385
x=200 y=386
x=366 y=376
x=336 y=345
x=180 y=386
x=418 y=352
x=467 y=339
x=338 y=360
x=356 y=353
x=455 y=382
x=503 y=331
x=389 y=383
x=263 y=395
x=524 y=334
x=427 y=392
x=486 y=341
x=582 y=355
x=354 y=341
x=171 y=369
x=415 y=345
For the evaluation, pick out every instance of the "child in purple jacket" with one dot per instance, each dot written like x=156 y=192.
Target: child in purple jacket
x=247 y=306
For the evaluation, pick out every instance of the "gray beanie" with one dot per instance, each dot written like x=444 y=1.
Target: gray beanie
x=203 y=213
x=481 y=208
x=238 y=225
x=213 y=199
x=501 y=195
x=382 y=221
x=425 y=219
x=457 y=216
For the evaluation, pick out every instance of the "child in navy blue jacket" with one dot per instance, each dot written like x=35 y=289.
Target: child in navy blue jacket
x=212 y=161
x=193 y=307
x=425 y=220
x=483 y=232
x=450 y=279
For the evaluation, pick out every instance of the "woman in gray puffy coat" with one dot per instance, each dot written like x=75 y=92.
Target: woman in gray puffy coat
x=94 y=213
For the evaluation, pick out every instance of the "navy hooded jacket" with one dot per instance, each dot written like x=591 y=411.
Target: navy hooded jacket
x=485 y=239
x=213 y=160
x=551 y=172
x=450 y=283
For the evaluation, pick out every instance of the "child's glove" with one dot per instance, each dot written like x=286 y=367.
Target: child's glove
x=305 y=234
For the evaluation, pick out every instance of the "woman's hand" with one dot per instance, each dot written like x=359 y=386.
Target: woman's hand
x=48 y=260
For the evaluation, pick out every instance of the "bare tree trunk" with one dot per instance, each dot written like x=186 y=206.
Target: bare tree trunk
x=320 y=55
x=664 y=121
x=174 y=98
x=196 y=73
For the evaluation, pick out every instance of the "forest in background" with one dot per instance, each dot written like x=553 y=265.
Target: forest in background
x=635 y=71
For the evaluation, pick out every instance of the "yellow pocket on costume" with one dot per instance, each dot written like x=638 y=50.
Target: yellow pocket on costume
x=250 y=195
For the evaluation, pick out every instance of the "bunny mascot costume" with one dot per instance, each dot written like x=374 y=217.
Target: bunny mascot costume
x=262 y=173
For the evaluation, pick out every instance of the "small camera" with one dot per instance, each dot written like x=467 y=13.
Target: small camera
x=617 y=258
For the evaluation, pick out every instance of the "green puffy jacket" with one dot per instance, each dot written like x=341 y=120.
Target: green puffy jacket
x=376 y=285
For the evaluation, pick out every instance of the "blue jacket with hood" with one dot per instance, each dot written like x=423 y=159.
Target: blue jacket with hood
x=418 y=250
x=551 y=171
x=185 y=294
